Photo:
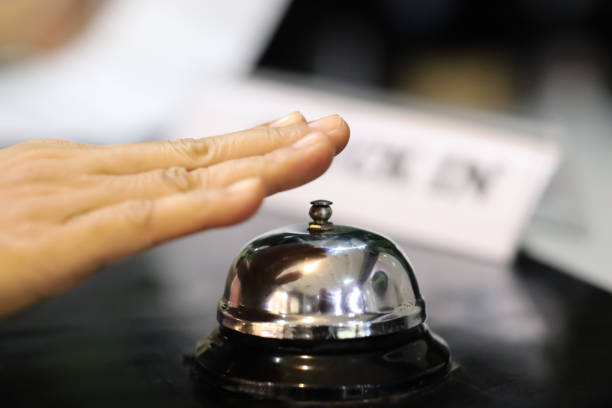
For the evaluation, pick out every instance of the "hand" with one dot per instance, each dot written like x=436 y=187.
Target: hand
x=66 y=209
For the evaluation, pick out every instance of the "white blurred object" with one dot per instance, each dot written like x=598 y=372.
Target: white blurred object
x=132 y=69
x=445 y=183
x=573 y=228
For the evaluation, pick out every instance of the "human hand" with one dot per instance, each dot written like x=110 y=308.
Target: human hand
x=66 y=209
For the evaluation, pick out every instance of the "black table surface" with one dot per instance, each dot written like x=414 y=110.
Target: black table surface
x=524 y=335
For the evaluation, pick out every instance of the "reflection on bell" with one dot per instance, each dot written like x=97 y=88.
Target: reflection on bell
x=322 y=312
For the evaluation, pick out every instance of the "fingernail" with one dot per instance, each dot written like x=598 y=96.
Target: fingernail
x=327 y=124
x=289 y=119
x=309 y=140
x=243 y=185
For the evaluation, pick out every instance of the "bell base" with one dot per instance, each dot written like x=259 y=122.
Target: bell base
x=332 y=370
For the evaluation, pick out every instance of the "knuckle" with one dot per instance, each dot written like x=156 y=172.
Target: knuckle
x=195 y=151
x=177 y=178
x=138 y=213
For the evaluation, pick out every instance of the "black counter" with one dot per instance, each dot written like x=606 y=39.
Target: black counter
x=526 y=335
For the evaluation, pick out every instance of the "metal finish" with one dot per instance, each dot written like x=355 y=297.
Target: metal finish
x=293 y=284
x=320 y=212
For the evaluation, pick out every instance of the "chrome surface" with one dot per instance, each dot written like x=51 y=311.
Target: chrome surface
x=320 y=212
x=341 y=284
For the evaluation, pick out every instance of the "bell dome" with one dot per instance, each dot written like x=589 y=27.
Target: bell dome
x=320 y=281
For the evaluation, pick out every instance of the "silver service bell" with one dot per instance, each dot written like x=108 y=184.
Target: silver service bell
x=322 y=312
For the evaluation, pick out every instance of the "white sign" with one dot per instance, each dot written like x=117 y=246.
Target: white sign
x=445 y=183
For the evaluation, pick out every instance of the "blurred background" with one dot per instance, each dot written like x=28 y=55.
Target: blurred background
x=511 y=57
x=106 y=71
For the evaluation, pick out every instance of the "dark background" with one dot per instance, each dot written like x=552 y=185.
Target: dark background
x=474 y=53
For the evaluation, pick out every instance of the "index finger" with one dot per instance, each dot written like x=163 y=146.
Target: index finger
x=196 y=153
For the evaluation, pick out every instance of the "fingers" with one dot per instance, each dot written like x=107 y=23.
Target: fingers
x=197 y=153
x=290 y=119
x=110 y=233
x=336 y=128
x=279 y=170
